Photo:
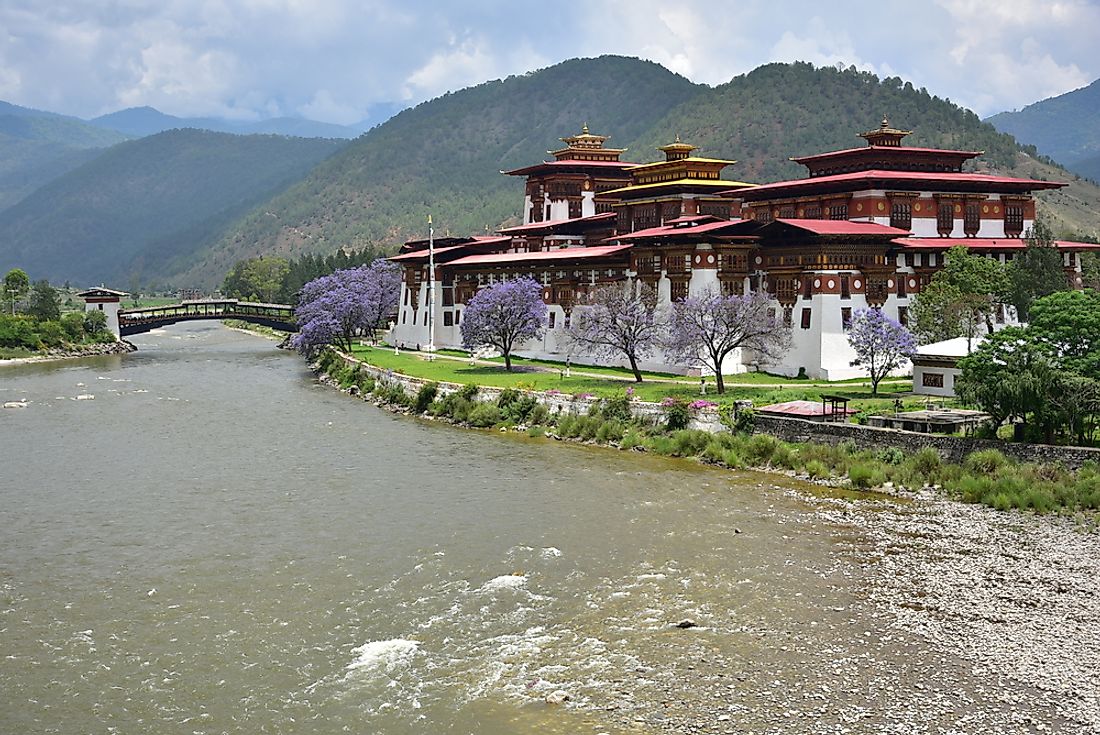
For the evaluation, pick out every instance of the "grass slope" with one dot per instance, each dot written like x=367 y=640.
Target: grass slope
x=1066 y=127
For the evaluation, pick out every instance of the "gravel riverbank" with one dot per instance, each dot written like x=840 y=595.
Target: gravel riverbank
x=106 y=348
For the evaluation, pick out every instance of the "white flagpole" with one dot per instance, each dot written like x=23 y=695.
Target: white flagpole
x=431 y=288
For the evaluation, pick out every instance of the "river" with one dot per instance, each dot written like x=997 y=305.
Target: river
x=215 y=543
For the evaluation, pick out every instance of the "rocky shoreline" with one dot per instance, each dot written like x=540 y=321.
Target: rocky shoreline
x=969 y=619
x=119 y=347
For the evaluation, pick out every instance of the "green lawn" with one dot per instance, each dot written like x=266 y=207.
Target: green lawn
x=453 y=371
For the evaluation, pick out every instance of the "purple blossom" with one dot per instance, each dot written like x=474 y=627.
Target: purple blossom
x=880 y=343
x=503 y=315
x=705 y=330
x=701 y=404
x=334 y=309
x=621 y=322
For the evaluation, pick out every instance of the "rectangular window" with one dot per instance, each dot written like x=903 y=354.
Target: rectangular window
x=813 y=211
x=448 y=296
x=788 y=317
x=787 y=211
x=845 y=288
x=762 y=214
x=901 y=215
x=1000 y=313
x=932 y=380
x=1014 y=220
x=448 y=319
x=553 y=319
x=945 y=218
x=903 y=316
x=972 y=220
x=806 y=318
x=846 y=317
x=807 y=287
x=901 y=284
x=547 y=212
x=839 y=211
x=679 y=290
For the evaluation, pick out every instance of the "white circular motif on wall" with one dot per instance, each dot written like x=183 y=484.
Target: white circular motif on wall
x=710 y=260
x=831 y=283
x=817 y=283
x=856 y=283
x=698 y=259
x=890 y=283
x=912 y=283
x=759 y=260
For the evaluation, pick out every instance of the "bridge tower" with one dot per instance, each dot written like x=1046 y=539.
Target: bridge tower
x=106 y=300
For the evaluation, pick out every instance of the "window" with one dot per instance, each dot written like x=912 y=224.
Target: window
x=845 y=288
x=932 y=380
x=901 y=215
x=553 y=319
x=902 y=293
x=762 y=214
x=787 y=211
x=805 y=318
x=903 y=316
x=679 y=290
x=807 y=287
x=548 y=212
x=788 y=317
x=448 y=319
x=972 y=219
x=839 y=211
x=945 y=218
x=846 y=317
x=1000 y=313
x=813 y=211
x=1014 y=220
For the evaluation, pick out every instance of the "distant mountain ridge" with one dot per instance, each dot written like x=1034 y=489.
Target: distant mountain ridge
x=142 y=121
x=1065 y=128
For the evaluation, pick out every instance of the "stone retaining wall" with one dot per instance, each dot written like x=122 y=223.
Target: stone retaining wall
x=951 y=448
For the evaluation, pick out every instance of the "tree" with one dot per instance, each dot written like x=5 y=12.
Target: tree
x=16 y=286
x=619 y=322
x=44 y=302
x=336 y=308
x=1012 y=376
x=1069 y=321
x=1036 y=272
x=881 y=344
x=504 y=314
x=95 y=322
x=257 y=278
x=961 y=297
x=706 y=329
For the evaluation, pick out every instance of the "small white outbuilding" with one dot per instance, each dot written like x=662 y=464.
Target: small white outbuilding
x=935 y=365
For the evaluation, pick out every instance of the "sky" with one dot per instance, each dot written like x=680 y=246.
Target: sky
x=347 y=61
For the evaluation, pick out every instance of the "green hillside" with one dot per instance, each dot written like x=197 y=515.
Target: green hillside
x=444 y=157
x=37 y=147
x=132 y=210
x=1066 y=127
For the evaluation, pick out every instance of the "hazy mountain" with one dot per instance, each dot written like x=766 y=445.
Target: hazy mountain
x=37 y=146
x=141 y=121
x=144 y=203
x=1066 y=127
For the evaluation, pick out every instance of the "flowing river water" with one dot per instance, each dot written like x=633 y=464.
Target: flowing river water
x=218 y=544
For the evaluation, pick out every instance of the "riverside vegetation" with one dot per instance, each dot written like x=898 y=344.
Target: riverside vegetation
x=986 y=476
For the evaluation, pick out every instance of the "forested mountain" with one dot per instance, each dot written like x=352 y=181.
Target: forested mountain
x=1066 y=127
x=37 y=146
x=142 y=121
x=132 y=211
x=443 y=156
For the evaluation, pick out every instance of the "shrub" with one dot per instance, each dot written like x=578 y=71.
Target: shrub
x=536 y=430
x=469 y=392
x=617 y=408
x=733 y=459
x=984 y=461
x=677 y=414
x=816 y=469
x=484 y=415
x=865 y=475
x=609 y=431
x=73 y=324
x=631 y=438
x=425 y=396
x=539 y=414
x=760 y=448
x=784 y=456
x=890 y=455
x=690 y=442
x=927 y=462
x=661 y=444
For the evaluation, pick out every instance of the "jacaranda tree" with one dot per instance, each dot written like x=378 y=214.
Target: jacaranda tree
x=706 y=329
x=618 y=322
x=335 y=309
x=880 y=343
x=502 y=315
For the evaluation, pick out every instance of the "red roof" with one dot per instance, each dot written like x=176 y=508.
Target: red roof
x=534 y=226
x=541 y=255
x=890 y=148
x=568 y=163
x=984 y=243
x=842 y=227
x=665 y=231
x=803 y=408
x=883 y=175
x=416 y=254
